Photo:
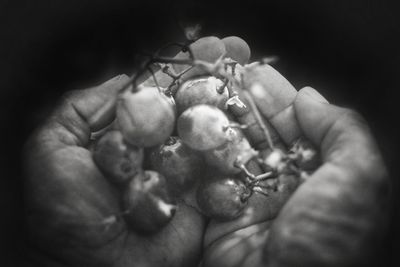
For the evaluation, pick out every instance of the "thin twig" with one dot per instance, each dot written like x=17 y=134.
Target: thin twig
x=245 y=170
x=257 y=115
x=264 y=176
x=259 y=190
x=220 y=90
x=181 y=61
x=154 y=78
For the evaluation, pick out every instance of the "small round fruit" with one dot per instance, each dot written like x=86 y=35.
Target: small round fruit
x=147 y=203
x=180 y=165
x=204 y=127
x=118 y=160
x=201 y=91
x=236 y=151
x=237 y=49
x=146 y=117
x=222 y=199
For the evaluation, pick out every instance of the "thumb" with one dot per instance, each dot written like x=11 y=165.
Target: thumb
x=336 y=217
x=77 y=115
x=89 y=102
x=341 y=134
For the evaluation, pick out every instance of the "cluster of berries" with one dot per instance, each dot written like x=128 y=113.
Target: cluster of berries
x=189 y=135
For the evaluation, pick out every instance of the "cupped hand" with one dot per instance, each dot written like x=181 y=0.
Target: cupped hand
x=69 y=201
x=337 y=217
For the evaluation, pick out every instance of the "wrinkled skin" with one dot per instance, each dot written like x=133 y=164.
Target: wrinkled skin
x=334 y=218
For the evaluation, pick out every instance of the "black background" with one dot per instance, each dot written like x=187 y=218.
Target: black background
x=348 y=50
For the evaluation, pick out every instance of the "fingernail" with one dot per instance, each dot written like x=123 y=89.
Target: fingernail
x=313 y=94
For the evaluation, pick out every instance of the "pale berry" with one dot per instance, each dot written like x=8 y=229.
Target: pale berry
x=147 y=202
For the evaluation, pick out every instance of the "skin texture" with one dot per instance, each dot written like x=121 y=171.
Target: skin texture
x=335 y=218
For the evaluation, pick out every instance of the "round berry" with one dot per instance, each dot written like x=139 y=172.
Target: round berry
x=233 y=153
x=237 y=49
x=180 y=165
x=147 y=203
x=146 y=117
x=204 y=127
x=222 y=199
x=206 y=90
x=118 y=160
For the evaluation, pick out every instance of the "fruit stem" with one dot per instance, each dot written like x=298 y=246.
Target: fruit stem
x=154 y=78
x=184 y=48
x=246 y=195
x=167 y=70
x=258 y=189
x=235 y=125
x=171 y=141
x=264 y=176
x=260 y=122
x=162 y=59
x=175 y=77
x=221 y=90
x=245 y=170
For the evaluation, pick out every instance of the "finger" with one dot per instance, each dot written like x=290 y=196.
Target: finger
x=76 y=116
x=68 y=202
x=254 y=132
x=337 y=216
x=237 y=49
x=86 y=103
x=274 y=96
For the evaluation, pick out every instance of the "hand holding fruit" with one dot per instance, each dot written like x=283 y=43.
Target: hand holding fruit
x=78 y=217
x=73 y=205
x=336 y=217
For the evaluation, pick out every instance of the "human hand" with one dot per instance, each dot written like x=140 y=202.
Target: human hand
x=66 y=212
x=336 y=217
x=68 y=198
